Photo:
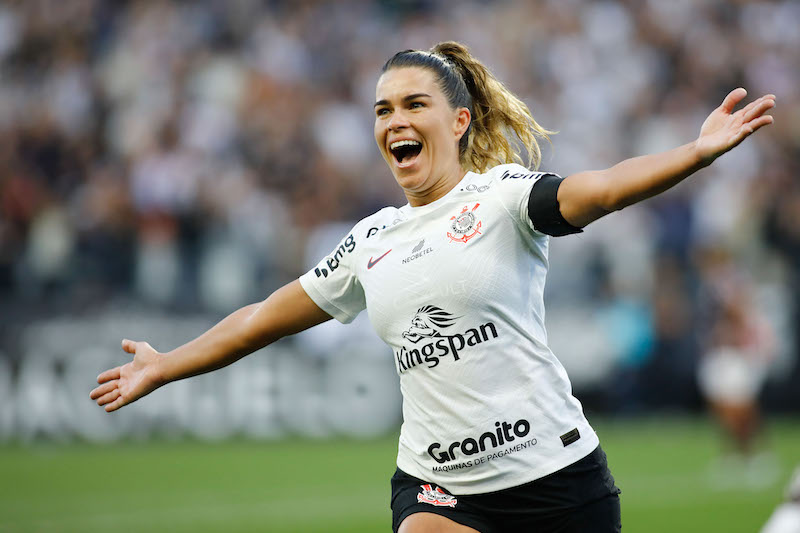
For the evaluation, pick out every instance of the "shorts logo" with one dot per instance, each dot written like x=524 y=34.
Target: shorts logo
x=464 y=225
x=436 y=497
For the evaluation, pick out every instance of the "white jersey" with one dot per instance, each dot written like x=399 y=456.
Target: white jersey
x=455 y=288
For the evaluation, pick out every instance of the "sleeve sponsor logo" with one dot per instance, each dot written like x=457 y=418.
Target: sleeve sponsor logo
x=430 y=345
x=334 y=260
x=375 y=229
x=521 y=175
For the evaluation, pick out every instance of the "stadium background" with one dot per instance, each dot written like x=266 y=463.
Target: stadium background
x=162 y=163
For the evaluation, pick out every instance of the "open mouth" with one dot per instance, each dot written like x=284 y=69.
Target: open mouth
x=405 y=152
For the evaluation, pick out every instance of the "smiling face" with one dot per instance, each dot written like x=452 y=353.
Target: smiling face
x=418 y=132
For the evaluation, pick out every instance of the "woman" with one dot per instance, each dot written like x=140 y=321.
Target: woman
x=492 y=438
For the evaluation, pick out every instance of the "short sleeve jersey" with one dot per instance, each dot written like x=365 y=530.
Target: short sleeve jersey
x=455 y=288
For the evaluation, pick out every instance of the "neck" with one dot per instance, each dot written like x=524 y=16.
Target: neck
x=440 y=187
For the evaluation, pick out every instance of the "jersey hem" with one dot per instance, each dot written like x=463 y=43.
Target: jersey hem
x=506 y=480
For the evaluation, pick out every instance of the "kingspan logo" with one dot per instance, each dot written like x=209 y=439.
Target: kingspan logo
x=430 y=344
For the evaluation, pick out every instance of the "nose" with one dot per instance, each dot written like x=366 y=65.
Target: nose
x=398 y=121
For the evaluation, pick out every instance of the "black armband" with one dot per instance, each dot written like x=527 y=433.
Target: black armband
x=543 y=208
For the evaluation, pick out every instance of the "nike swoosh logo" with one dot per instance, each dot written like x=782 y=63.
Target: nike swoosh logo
x=372 y=263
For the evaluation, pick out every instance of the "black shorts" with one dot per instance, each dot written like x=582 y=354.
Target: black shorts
x=577 y=499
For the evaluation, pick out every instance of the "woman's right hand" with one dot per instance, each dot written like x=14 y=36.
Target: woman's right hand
x=127 y=383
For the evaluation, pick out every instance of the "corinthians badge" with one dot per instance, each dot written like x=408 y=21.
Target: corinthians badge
x=464 y=225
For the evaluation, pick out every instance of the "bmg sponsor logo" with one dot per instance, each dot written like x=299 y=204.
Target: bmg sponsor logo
x=333 y=262
x=431 y=345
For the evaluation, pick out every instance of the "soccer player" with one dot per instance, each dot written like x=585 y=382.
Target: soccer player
x=492 y=438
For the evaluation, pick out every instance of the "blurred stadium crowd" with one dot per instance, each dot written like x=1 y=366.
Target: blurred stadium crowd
x=186 y=155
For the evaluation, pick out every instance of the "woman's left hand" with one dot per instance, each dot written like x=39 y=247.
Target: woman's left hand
x=724 y=129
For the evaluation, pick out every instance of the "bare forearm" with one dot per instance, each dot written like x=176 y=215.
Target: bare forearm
x=586 y=196
x=287 y=311
x=223 y=344
x=639 y=178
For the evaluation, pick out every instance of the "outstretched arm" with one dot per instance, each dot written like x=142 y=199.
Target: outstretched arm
x=586 y=196
x=287 y=311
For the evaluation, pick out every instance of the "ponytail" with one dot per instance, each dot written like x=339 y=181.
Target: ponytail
x=502 y=126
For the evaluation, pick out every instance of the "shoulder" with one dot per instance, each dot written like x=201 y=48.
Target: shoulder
x=375 y=223
x=512 y=181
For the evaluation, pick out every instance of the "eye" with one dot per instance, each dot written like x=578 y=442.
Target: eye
x=415 y=105
x=382 y=111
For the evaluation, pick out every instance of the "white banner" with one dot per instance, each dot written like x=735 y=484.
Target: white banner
x=290 y=388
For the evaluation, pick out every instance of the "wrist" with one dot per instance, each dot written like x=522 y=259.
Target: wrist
x=158 y=372
x=700 y=157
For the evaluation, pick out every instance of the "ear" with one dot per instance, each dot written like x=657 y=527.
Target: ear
x=461 y=124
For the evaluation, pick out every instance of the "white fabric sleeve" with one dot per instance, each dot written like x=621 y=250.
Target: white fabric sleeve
x=513 y=185
x=334 y=285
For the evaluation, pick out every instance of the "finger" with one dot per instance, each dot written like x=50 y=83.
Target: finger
x=129 y=346
x=733 y=98
x=108 y=398
x=760 y=122
x=751 y=127
x=746 y=109
x=116 y=404
x=112 y=373
x=103 y=389
x=758 y=110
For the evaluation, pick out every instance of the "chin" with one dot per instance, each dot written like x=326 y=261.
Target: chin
x=410 y=181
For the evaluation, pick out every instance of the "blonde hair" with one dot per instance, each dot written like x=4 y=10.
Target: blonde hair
x=502 y=127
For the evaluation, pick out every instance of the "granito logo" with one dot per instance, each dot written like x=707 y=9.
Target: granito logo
x=347 y=246
x=418 y=252
x=431 y=345
x=503 y=433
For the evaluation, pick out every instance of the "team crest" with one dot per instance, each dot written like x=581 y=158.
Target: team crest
x=436 y=497
x=465 y=225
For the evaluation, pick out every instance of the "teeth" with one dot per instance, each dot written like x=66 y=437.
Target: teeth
x=398 y=144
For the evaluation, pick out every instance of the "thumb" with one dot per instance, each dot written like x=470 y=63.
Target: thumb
x=733 y=98
x=129 y=346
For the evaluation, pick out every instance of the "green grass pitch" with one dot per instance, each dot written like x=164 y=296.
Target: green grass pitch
x=296 y=486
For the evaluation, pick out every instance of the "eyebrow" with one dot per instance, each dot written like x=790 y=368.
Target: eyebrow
x=405 y=98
